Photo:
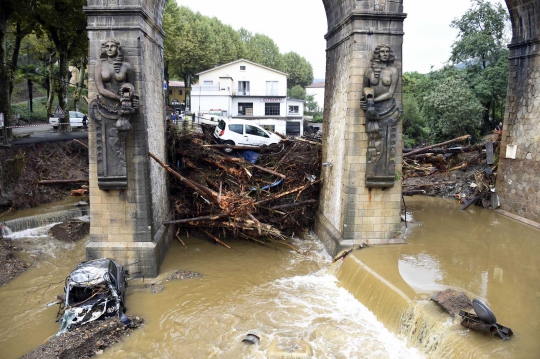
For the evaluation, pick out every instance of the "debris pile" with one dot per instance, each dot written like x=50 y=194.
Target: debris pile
x=226 y=196
x=71 y=230
x=86 y=341
x=465 y=173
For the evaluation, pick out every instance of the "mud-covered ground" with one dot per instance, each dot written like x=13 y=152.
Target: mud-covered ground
x=22 y=167
x=10 y=264
x=85 y=341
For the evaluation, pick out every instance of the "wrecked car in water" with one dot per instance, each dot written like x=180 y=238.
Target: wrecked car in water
x=94 y=290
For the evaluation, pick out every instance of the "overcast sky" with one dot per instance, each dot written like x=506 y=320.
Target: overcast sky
x=300 y=25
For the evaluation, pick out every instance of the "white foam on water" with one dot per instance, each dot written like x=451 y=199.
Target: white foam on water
x=38 y=242
x=334 y=323
x=39 y=232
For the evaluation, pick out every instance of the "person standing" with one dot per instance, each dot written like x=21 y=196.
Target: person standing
x=499 y=128
x=85 y=122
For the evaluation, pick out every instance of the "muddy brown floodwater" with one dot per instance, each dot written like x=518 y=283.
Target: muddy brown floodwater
x=287 y=299
x=291 y=301
x=480 y=252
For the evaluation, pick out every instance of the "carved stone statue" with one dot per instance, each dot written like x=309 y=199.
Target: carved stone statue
x=383 y=113
x=112 y=110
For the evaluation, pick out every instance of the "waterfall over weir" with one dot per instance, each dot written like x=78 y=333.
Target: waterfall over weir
x=420 y=321
x=21 y=224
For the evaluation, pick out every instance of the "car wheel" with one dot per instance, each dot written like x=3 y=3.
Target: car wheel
x=228 y=149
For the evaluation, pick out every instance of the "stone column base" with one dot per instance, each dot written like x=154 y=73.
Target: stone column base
x=142 y=259
x=334 y=242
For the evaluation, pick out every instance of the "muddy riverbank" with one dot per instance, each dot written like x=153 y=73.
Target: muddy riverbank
x=22 y=167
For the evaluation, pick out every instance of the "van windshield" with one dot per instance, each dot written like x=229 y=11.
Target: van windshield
x=221 y=125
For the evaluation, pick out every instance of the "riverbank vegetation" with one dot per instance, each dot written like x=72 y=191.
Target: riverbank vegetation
x=467 y=96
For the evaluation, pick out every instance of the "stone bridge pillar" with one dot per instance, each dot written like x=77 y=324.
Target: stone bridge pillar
x=518 y=183
x=359 y=204
x=128 y=192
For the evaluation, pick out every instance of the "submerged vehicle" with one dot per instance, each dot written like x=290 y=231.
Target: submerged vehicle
x=94 y=290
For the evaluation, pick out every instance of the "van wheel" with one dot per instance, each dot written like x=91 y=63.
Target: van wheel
x=227 y=149
x=55 y=128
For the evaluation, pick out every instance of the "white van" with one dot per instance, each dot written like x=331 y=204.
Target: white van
x=243 y=133
x=75 y=120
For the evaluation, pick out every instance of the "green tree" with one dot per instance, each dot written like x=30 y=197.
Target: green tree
x=299 y=70
x=414 y=123
x=481 y=45
x=263 y=50
x=191 y=46
x=229 y=45
x=311 y=104
x=297 y=92
x=16 y=15
x=65 y=23
x=452 y=110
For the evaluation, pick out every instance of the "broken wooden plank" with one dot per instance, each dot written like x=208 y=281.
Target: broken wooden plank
x=79 y=180
x=289 y=192
x=80 y=143
x=462 y=138
x=215 y=238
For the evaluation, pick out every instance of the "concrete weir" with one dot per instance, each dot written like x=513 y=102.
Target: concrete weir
x=128 y=193
x=353 y=211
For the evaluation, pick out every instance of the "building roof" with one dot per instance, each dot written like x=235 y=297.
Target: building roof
x=316 y=85
x=176 y=83
x=243 y=60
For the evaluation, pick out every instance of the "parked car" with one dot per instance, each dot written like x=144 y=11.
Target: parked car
x=243 y=133
x=95 y=289
x=75 y=120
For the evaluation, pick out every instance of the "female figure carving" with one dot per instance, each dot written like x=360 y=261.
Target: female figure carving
x=383 y=113
x=112 y=76
x=112 y=110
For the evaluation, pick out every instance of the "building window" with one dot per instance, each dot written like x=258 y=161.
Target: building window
x=180 y=92
x=245 y=109
x=271 y=109
x=243 y=88
x=294 y=110
x=269 y=127
x=170 y=92
x=271 y=88
x=242 y=68
x=208 y=83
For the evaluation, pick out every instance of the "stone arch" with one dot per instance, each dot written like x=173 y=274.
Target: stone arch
x=127 y=224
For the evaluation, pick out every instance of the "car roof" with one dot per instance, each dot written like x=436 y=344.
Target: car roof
x=232 y=121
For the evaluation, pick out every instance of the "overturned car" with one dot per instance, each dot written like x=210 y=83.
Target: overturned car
x=95 y=289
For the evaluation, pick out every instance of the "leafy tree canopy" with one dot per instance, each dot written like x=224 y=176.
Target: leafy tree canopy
x=299 y=70
x=297 y=92
x=452 y=110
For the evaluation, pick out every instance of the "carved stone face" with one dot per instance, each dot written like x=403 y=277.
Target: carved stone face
x=111 y=48
x=384 y=54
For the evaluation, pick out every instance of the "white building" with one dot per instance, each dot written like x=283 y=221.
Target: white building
x=246 y=90
x=317 y=89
